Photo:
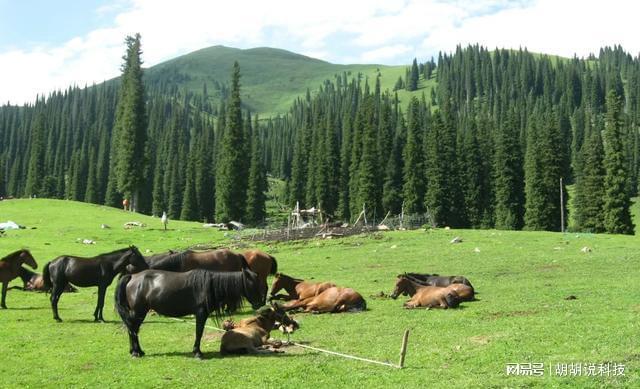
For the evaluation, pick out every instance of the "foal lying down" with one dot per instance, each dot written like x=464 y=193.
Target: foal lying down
x=252 y=335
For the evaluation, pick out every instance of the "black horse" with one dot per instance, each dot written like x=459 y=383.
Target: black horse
x=96 y=271
x=199 y=292
x=436 y=280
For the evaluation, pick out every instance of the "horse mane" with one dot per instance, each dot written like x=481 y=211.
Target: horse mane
x=222 y=291
x=292 y=278
x=12 y=255
x=116 y=251
x=172 y=262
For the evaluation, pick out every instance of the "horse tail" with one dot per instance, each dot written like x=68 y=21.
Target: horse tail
x=274 y=265
x=122 y=305
x=46 y=276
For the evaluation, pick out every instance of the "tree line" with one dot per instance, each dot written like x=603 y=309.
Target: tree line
x=486 y=149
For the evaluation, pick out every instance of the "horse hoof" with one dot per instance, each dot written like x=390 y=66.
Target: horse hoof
x=198 y=355
x=136 y=354
x=58 y=319
x=3 y=306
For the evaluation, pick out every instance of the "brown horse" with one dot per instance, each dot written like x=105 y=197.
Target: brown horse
x=34 y=282
x=332 y=300
x=297 y=289
x=223 y=260
x=407 y=286
x=433 y=297
x=262 y=264
x=10 y=267
x=252 y=335
x=437 y=280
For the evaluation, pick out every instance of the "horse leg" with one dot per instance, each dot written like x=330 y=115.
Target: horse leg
x=201 y=318
x=134 y=340
x=56 y=292
x=97 y=314
x=4 y=294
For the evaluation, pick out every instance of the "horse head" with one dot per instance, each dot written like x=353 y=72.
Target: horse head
x=27 y=258
x=403 y=286
x=283 y=321
x=136 y=261
x=252 y=288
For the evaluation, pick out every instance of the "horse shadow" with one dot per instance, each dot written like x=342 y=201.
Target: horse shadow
x=216 y=355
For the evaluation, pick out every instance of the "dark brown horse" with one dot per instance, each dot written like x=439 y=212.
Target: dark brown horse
x=10 y=268
x=223 y=260
x=297 y=289
x=95 y=271
x=433 y=297
x=199 y=292
x=438 y=280
x=252 y=335
x=33 y=281
x=407 y=286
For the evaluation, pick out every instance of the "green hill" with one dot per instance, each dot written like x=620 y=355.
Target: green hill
x=271 y=78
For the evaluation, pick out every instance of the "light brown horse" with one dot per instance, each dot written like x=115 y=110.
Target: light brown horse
x=433 y=297
x=34 y=282
x=252 y=335
x=10 y=268
x=297 y=289
x=332 y=300
x=407 y=286
x=262 y=264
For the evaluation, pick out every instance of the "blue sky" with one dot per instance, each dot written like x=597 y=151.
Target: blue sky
x=48 y=45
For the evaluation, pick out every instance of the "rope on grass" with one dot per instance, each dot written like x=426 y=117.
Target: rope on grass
x=400 y=365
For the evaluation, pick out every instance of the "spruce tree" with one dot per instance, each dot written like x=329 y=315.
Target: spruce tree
x=230 y=193
x=414 y=75
x=189 y=209
x=35 y=172
x=590 y=190
x=508 y=176
x=413 y=171
x=617 y=218
x=257 y=188
x=131 y=125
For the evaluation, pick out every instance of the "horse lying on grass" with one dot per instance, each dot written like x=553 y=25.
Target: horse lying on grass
x=198 y=292
x=323 y=297
x=437 y=280
x=408 y=286
x=33 y=281
x=297 y=289
x=252 y=335
x=10 y=267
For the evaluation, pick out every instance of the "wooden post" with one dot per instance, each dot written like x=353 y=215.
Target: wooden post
x=403 y=349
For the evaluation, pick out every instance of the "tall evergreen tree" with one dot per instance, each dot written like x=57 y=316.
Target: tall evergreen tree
x=617 y=217
x=131 y=124
x=35 y=172
x=230 y=193
x=414 y=179
x=414 y=76
x=590 y=190
x=508 y=177
x=258 y=185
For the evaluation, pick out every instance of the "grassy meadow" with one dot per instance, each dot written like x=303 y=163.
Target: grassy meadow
x=522 y=280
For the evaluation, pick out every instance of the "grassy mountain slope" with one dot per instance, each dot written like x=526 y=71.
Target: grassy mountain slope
x=271 y=78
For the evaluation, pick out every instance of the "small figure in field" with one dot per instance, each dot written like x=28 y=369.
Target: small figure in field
x=165 y=220
x=125 y=204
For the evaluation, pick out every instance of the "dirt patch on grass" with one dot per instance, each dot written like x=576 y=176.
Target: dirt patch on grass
x=499 y=315
x=480 y=339
x=549 y=267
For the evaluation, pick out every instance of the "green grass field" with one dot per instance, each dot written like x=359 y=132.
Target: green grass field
x=522 y=316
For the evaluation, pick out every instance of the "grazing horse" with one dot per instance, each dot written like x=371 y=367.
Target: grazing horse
x=95 y=271
x=10 y=267
x=438 y=280
x=199 y=292
x=433 y=297
x=223 y=260
x=252 y=335
x=34 y=281
x=262 y=264
x=297 y=289
x=407 y=286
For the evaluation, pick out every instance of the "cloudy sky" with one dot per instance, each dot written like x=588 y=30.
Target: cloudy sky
x=46 y=45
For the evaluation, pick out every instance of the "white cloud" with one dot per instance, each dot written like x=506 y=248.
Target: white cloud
x=389 y=31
